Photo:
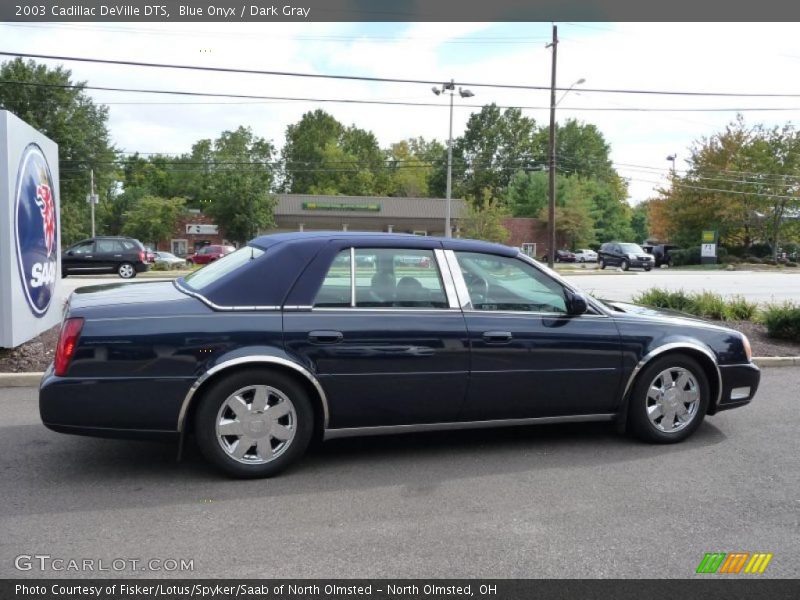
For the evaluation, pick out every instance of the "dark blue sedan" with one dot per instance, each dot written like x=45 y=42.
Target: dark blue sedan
x=344 y=334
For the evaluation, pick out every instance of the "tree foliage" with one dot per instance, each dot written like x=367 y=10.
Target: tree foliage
x=153 y=219
x=49 y=100
x=485 y=221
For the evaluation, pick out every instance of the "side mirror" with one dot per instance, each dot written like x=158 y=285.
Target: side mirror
x=576 y=303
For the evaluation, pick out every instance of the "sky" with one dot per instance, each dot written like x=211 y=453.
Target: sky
x=728 y=57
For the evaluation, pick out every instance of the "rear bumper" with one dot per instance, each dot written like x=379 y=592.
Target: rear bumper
x=116 y=407
x=739 y=385
x=141 y=267
x=641 y=264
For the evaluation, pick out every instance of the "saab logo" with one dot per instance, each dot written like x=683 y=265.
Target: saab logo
x=732 y=563
x=36 y=230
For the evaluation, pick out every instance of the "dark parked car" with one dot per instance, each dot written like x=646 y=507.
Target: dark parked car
x=293 y=337
x=564 y=256
x=624 y=255
x=124 y=256
x=660 y=253
x=208 y=254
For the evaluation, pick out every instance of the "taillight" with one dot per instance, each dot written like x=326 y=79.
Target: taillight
x=141 y=255
x=67 y=342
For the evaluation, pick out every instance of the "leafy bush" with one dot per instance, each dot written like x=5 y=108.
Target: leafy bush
x=661 y=298
x=783 y=321
x=709 y=305
x=739 y=309
x=730 y=259
x=760 y=250
x=791 y=264
x=753 y=260
x=687 y=256
x=159 y=267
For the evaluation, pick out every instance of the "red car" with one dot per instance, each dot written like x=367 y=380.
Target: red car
x=208 y=254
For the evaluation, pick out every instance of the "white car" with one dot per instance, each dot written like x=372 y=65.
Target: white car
x=585 y=255
x=169 y=259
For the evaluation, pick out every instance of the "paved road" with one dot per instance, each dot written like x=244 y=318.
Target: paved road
x=759 y=286
x=576 y=501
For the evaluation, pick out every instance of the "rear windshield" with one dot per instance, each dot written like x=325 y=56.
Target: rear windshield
x=218 y=269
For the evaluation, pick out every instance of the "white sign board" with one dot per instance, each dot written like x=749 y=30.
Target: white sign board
x=202 y=229
x=30 y=232
x=708 y=250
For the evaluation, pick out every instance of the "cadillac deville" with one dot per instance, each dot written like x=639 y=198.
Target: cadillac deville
x=343 y=334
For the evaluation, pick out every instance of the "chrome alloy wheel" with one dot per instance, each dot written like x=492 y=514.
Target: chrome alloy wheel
x=256 y=424
x=126 y=271
x=672 y=399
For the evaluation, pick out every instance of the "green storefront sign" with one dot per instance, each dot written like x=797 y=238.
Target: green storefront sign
x=343 y=206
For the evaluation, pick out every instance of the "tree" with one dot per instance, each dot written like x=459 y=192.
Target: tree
x=581 y=149
x=495 y=145
x=236 y=180
x=50 y=101
x=412 y=166
x=640 y=222
x=485 y=222
x=322 y=156
x=153 y=219
x=527 y=193
x=574 y=220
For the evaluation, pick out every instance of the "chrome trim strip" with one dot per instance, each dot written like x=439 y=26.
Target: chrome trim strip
x=462 y=291
x=349 y=311
x=447 y=278
x=257 y=359
x=674 y=346
x=331 y=434
x=352 y=276
x=299 y=307
x=214 y=306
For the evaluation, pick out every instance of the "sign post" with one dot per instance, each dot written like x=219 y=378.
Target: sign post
x=708 y=248
x=30 y=232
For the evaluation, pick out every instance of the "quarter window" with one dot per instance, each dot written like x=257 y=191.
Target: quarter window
x=501 y=283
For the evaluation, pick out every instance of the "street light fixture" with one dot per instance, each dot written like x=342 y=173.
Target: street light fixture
x=672 y=157
x=450 y=87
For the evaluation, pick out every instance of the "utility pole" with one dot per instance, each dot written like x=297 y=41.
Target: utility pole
x=551 y=211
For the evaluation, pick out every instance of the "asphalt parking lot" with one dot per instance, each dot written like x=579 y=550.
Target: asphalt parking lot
x=549 y=501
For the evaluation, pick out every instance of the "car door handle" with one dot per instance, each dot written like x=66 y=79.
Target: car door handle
x=497 y=337
x=325 y=337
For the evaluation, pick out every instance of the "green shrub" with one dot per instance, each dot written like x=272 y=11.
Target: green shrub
x=661 y=298
x=753 y=260
x=791 y=264
x=739 y=309
x=730 y=259
x=760 y=250
x=687 y=256
x=159 y=267
x=783 y=321
x=709 y=305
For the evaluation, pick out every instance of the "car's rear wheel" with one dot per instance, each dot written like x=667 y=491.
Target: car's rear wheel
x=583 y=260
x=647 y=268
x=669 y=400
x=624 y=265
x=126 y=271
x=254 y=423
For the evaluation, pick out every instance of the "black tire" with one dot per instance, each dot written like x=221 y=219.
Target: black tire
x=601 y=264
x=126 y=270
x=624 y=265
x=583 y=260
x=641 y=425
x=205 y=423
x=647 y=268
x=64 y=273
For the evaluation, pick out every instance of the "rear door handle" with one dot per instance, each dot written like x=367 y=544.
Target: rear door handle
x=497 y=337
x=325 y=337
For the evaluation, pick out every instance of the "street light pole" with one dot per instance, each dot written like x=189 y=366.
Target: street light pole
x=451 y=87
x=551 y=210
x=447 y=230
x=672 y=157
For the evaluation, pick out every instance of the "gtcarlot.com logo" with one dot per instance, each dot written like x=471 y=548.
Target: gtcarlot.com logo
x=733 y=563
x=46 y=562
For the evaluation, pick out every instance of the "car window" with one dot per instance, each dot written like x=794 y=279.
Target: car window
x=505 y=283
x=402 y=278
x=212 y=272
x=631 y=249
x=128 y=245
x=385 y=278
x=335 y=290
x=82 y=248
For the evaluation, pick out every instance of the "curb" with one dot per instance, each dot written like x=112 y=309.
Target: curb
x=9 y=380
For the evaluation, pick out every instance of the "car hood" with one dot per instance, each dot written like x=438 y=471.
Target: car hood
x=665 y=314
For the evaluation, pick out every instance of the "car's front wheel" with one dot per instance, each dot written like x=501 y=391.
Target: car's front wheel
x=601 y=263
x=126 y=271
x=669 y=400
x=254 y=423
x=624 y=265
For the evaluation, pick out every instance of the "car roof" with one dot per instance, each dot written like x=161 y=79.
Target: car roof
x=403 y=239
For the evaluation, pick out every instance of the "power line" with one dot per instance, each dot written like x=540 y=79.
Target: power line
x=132 y=63
x=257 y=98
